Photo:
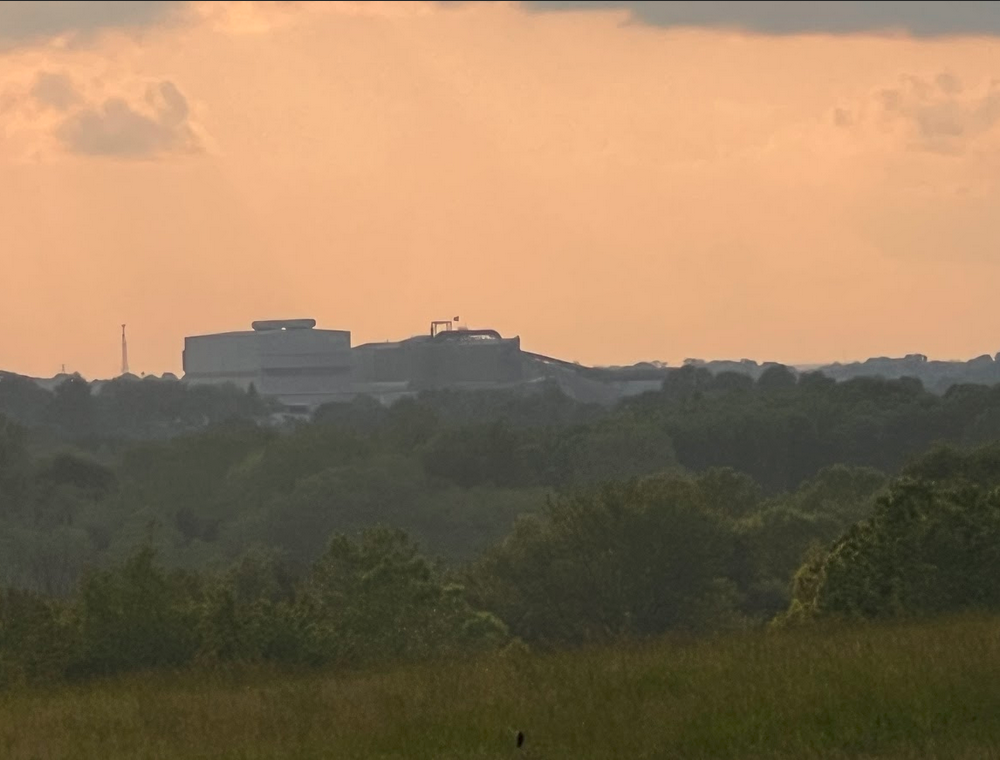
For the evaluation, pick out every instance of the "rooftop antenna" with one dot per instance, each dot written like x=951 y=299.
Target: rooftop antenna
x=124 y=352
x=442 y=324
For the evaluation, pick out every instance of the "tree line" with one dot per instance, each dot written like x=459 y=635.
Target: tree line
x=453 y=522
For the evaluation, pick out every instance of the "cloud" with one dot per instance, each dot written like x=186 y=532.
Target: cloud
x=53 y=114
x=254 y=17
x=23 y=22
x=120 y=129
x=919 y=19
x=935 y=115
x=55 y=90
x=30 y=22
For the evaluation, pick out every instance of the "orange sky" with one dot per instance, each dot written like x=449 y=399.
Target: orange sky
x=611 y=192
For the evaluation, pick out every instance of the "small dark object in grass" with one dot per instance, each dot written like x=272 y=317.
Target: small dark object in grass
x=520 y=738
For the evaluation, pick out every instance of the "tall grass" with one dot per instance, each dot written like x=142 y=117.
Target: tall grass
x=927 y=690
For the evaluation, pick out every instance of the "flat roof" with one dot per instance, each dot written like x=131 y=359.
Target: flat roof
x=259 y=333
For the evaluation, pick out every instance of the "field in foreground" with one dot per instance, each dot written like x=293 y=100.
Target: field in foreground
x=903 y=691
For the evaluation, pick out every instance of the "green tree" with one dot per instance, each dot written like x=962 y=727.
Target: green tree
x=379 y=599
x=23 y=400
x=840 y=491
x=622 y=560
x=929 y=548
x=247 y=614
x=135 y=616
x=777 y=377
x=733 y=493
x=35 y=641
x=14 y=463
x=72 y=407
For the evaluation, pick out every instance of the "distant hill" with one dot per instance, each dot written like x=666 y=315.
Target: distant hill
x=937 y=376
x=602 y=385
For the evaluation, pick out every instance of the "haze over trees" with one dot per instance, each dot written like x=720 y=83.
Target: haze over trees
x=154 y=524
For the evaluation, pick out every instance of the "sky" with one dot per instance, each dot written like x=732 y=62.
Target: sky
x=614 y=183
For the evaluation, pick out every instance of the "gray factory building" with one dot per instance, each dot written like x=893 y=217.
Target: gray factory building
x=451 y=358
x=303 y=366
x=288 y=359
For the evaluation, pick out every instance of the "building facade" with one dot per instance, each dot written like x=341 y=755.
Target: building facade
x=286 y=359
x=301 y=366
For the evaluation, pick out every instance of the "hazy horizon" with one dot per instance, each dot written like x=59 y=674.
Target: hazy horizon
x=801 y=366
x=696 y=180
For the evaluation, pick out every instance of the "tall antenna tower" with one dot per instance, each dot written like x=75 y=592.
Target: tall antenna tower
x=124 y=352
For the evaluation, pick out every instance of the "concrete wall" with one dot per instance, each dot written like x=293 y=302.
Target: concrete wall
x=306 y=366
x=304 y=361
x=277 y=362
x=222 y=357
x=382 y=363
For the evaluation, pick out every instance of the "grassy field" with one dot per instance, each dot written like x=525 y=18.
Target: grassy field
x=903 y=691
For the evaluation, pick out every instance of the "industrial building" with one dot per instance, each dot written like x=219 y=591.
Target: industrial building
x=451 y=358
x=288 y=359
x=304 y=367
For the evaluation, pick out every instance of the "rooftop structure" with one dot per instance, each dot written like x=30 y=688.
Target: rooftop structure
x=449 y=358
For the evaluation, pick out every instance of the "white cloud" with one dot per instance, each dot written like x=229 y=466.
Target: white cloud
x=57 y=115
x=55 y=90
x=936 y=114
x=120 y=129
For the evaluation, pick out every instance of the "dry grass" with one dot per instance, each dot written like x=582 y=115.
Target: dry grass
x=904 y=691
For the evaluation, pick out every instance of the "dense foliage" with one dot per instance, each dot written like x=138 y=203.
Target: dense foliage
x=152 y=524
x=99 y=414
x=931 y=546
x=375 y=599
